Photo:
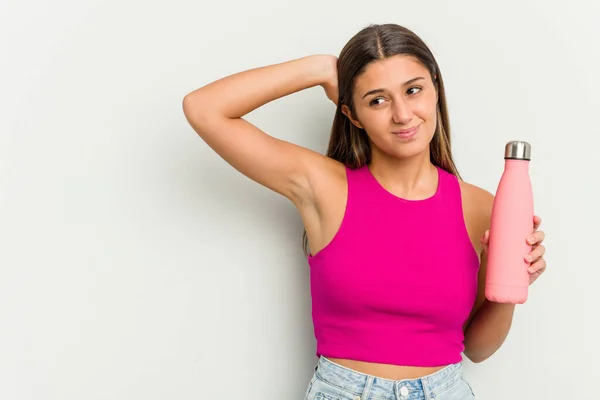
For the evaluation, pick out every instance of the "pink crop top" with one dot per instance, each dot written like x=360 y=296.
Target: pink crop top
x=398 y=280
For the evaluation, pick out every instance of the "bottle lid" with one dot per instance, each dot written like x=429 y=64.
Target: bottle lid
x=517 y=150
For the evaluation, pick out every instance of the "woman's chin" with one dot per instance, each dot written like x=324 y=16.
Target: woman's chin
x=410 y=150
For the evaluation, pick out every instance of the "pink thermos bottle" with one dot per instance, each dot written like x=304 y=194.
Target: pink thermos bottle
x=507 y=279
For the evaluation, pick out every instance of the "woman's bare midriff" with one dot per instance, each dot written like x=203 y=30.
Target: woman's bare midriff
x=386 y=371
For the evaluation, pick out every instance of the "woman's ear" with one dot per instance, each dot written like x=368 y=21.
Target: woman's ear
x=346 y=111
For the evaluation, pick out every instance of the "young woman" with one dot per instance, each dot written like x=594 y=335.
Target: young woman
x=397 y=240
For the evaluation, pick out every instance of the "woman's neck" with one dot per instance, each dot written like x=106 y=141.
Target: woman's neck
x=409 y=177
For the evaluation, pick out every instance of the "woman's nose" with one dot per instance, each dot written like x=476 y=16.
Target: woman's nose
x=402 y=113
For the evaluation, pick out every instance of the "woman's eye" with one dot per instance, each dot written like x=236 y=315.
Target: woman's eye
x=415 y=90
x=374 y=102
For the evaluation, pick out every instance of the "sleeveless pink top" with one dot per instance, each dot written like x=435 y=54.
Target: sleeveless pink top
x=398 y=280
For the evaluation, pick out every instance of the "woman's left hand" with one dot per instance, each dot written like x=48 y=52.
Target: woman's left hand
x=537 y=264
x=535 y=259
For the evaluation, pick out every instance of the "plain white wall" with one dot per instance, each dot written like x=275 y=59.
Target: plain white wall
x=136 y=264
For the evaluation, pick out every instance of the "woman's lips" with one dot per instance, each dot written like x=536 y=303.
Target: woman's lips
x=407 y=133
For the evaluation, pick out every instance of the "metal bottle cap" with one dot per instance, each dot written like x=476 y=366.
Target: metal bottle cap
x=517 y=150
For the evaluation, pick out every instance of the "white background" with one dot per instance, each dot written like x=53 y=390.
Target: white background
x=136 y=264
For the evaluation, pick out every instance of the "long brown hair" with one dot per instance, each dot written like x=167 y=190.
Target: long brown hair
x=349 y=144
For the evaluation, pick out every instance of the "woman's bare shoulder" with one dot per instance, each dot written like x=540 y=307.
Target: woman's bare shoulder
x=477 y=203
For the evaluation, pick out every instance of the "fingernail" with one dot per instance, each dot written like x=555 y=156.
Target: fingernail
x=531 y=240
x=529 y=258
x=531 y=270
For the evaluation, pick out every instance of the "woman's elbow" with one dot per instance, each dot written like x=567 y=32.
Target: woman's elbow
x=476 y=357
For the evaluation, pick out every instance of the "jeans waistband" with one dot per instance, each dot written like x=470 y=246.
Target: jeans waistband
x=367 y=386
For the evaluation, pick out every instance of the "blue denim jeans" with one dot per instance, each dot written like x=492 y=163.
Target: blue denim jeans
x=332 y=381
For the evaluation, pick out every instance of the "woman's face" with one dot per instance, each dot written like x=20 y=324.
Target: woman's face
x=395 y=102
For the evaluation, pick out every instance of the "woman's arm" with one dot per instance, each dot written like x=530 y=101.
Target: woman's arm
x=215 y=112
x=490 y=322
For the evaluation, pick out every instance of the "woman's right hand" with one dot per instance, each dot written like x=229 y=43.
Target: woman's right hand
x=330 y=84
